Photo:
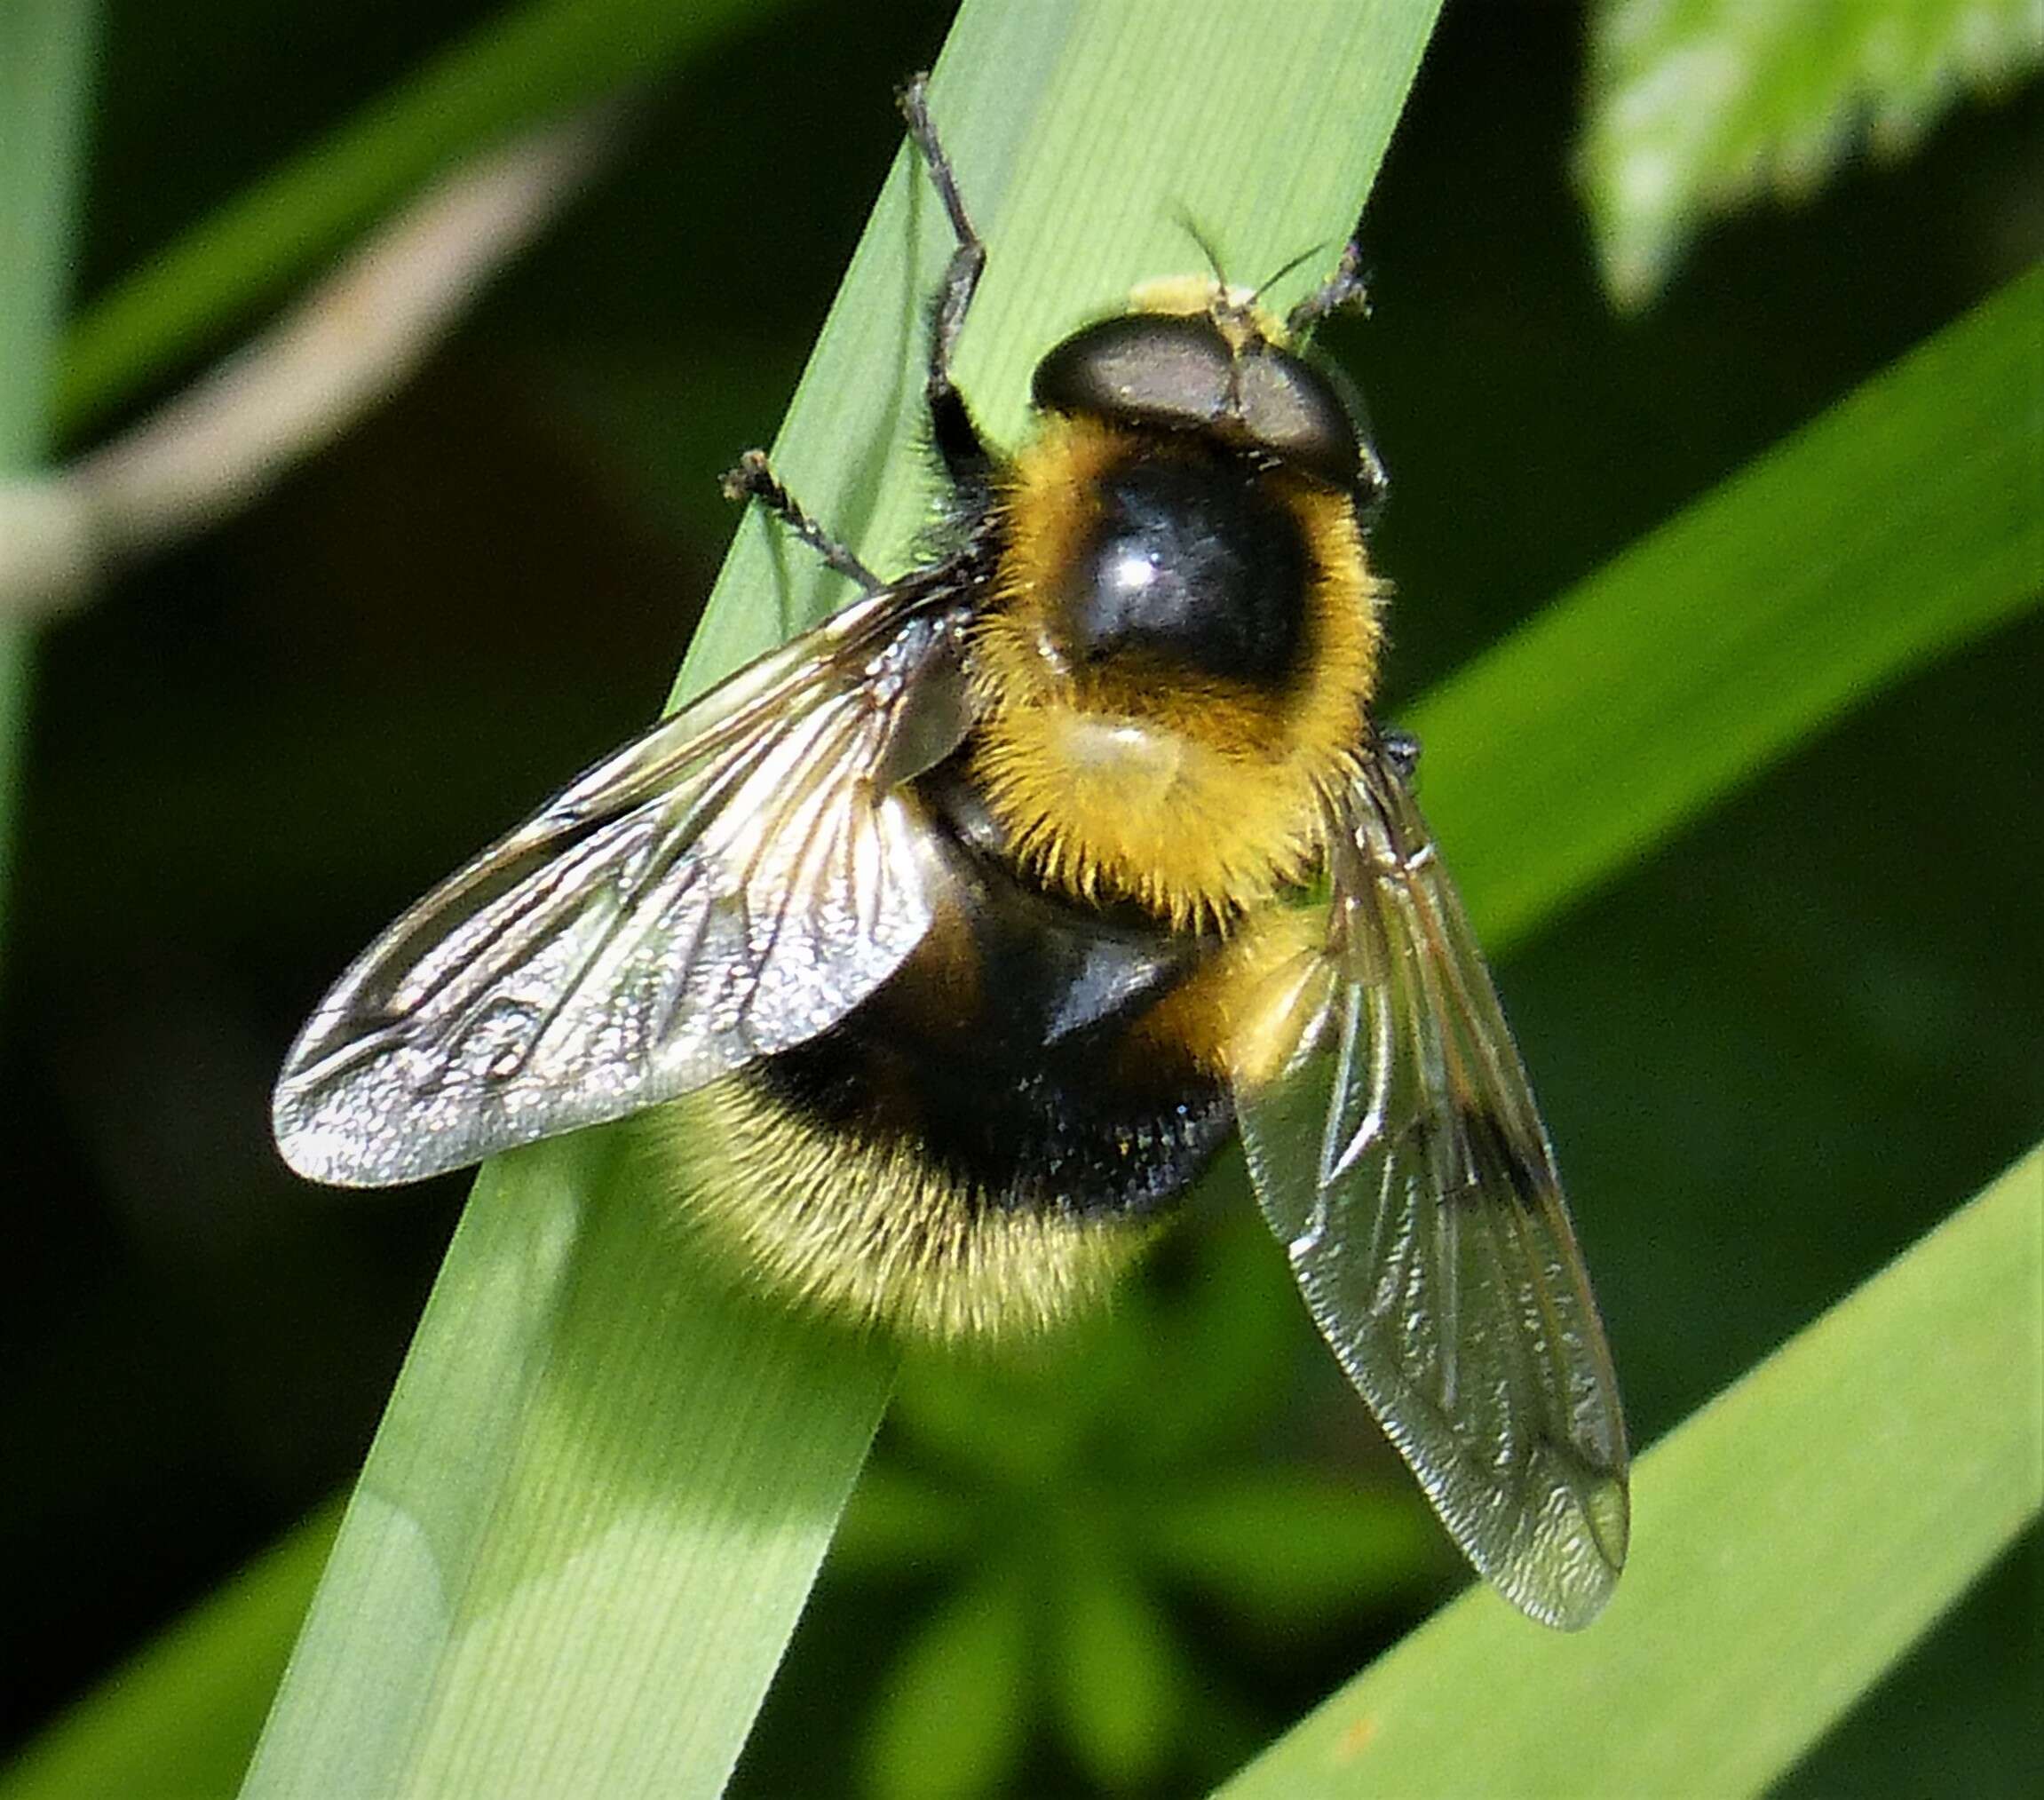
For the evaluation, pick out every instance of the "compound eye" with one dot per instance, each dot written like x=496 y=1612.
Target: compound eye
x=1291 y=410
x=1180 y=372
x=1158 y=368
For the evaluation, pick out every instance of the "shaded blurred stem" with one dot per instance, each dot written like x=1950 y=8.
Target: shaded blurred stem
x=295 y=388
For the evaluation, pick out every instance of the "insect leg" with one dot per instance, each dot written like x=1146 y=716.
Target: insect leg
x=1347 y=290
x=956 y=436
x=754 y=479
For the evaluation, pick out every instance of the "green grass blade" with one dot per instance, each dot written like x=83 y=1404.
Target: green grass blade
x=589 y=1517
x=1790 y=1542
x=1696 y=106
x=601 y=1490
x=46 y=58
x=1900 y=525
x=532 y=62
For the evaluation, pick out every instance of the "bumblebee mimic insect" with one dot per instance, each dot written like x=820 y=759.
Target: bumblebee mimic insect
x=950 y=942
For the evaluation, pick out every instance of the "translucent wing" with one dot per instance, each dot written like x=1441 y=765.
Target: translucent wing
x=727 y=886
x=1400 y=1160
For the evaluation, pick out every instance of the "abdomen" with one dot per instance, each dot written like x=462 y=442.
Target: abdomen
x=984 y=1142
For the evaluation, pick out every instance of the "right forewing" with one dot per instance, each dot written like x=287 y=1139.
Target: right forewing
x=1400 y=1157
x=725 y=886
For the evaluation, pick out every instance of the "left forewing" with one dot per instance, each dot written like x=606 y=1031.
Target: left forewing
x=730 y=884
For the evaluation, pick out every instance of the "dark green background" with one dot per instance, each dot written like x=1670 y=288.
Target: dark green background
x=1771 y=1057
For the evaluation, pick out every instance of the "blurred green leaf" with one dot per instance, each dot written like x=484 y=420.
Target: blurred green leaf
x=898 y=1522
x=182 y=1717
x=1790 y=1542
x=951 y=1718
x=1053 y=1453
x=1291 y=1545
x=1120 y=1683
x=46 y=62
x=1897 y=527
x=1696 y=106
x=46 y=65
x=983 y=1415
x=1217 y=1363
x=531 y=63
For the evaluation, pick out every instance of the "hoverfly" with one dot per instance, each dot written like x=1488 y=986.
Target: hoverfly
x=948 y=944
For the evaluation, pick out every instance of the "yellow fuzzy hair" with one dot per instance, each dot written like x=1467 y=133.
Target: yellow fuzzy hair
x=1222 y=1015
x=870 y=1231
x=1199 y=798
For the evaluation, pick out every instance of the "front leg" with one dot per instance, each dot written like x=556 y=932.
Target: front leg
x=754 y=479
x=952 y=431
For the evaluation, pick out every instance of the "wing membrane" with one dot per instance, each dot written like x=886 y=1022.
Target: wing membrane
x=728 y=884
x=1400 y=1159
